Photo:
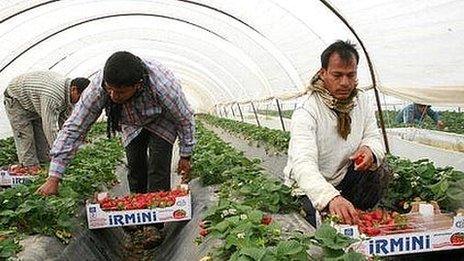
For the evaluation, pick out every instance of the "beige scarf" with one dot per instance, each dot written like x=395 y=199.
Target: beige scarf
x=341 y=107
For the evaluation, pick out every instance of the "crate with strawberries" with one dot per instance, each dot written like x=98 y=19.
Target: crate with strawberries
x=424 y=229
x=14 y=175
x=382 y=222
x=140 y=209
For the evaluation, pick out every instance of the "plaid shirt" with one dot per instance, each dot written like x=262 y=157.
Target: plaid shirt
x=160 y=108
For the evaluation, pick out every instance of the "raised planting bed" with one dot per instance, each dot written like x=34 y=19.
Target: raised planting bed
x=418 y=180
x=25 y=213
x=243 y=221
x=275 y=141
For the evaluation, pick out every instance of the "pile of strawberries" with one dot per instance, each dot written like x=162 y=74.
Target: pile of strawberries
x=380 y=221
x=20 y=170
x=160 y=199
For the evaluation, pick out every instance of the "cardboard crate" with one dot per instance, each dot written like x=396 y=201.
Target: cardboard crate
x=8 y=180
x=425 y=240
x=180 y=211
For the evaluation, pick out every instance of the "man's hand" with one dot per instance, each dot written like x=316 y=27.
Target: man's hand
x=50 y=187
x=183 y=168
x=440 y=125
x=363 y=159
x=344 y=209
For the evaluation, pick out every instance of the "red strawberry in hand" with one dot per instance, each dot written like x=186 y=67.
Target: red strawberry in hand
x=359 y=160
x=203 y=232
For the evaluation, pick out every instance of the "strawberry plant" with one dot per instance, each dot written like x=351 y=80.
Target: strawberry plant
x=259 y=192
x=335 y=246
x=454 y=121
x=273 y=139
x=7 y=152
x=421 y=179
x=216 y=162
x=245 y=191
x=273 y=113
x=24 y=212
x=213 y=158
x=249 y=234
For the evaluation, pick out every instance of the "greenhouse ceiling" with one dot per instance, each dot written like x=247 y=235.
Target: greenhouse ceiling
x=224 y=51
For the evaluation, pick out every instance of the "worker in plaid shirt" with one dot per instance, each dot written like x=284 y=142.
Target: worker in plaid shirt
x=145 y=102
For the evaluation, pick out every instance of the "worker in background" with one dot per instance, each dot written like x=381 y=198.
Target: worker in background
x=416 y=113
x=37 y=104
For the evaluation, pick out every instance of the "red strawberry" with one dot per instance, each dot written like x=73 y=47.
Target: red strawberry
x=266 y=220
x=203 y=232
x=371 y=231
x=377 y=214
x=367 y=217
x=359 y=160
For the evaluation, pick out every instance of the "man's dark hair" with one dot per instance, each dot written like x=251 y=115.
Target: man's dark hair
x=423 y=105
x=81 y=83
x=346 y=50
x=123 y=69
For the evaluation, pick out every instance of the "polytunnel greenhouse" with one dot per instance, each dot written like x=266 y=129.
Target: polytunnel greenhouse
x=231 y=130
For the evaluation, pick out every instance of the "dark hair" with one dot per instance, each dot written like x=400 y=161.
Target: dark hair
x=121 y=69
x=346 y=50
x=81 y=83
x=421 y=104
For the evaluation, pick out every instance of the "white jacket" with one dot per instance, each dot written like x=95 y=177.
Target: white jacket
x=318 y=157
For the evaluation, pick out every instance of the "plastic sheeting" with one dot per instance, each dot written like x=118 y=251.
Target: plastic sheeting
x=439 y=139
x=226 y=51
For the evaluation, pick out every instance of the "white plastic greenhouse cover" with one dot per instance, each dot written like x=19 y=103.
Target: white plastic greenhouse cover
x=241 y=50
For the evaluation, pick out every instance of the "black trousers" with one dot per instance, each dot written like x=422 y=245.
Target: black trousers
x=149 y=160
x=363 y=189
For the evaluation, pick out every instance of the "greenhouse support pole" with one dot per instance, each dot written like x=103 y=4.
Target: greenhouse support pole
x=225 y=112
x=371 y=70
x=256 y=115
x=382 y=122
x=232 y=109
x=240 y=111
x=280 y=114
x=220 y=112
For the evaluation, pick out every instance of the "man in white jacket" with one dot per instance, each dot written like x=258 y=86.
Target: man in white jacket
x=335 y=148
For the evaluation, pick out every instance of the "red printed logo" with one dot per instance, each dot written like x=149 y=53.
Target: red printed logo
x=457 y=239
